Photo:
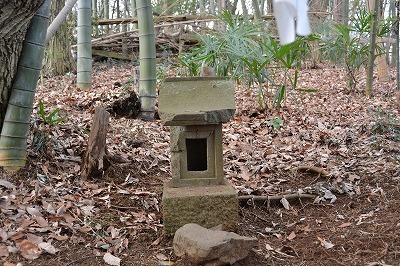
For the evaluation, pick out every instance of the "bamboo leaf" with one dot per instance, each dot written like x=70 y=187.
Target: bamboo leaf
x=278 y=97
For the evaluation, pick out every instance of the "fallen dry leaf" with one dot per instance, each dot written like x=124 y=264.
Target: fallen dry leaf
x=34 y=211
x=161 y=256
x=58 y=237
x=28 y=250
x=3 y=251
x=9 y=264
x=285 y=203
x=326 y=244
x=3 y=235
x=345 y=225
x=34 y=238
x=111 y=259
x=48 y=247
x=291 y=236
x=6 y=184
x=268 y=247
x=166 y=263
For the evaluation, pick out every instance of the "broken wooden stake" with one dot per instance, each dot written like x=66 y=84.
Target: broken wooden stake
x=93 y=160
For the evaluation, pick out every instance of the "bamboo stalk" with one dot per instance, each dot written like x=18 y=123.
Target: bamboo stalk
x=147 y=54
x=84 y=62
x=14 y=135
x=371 y=57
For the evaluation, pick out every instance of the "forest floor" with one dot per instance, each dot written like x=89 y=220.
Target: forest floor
x=50 y=216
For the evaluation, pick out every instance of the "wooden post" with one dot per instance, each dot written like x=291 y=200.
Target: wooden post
x=93 y=161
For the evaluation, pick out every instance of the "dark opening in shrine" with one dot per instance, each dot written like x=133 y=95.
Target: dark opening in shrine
x=196 y=150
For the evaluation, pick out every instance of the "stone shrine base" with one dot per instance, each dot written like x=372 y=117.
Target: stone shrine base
x=207 y=206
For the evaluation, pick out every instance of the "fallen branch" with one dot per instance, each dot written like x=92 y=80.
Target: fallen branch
x=82 y=259
x=275 y=199
x=308 y=168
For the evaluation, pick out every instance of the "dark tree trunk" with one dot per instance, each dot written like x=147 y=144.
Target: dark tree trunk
x=15 y=16
x=58 y=58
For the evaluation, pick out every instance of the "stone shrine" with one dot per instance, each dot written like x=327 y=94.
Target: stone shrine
x=195 y=108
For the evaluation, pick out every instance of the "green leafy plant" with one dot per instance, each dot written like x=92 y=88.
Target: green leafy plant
x=224 y=50
x=345 y=44
x=52 y=118
x=286 y=58
x=250 y=56
x=41 y=136
x=275 y=122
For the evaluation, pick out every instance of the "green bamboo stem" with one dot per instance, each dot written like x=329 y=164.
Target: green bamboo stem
x=397 y=47
x=371 y=57
x=107 y=14
x=257 y=11
x=84 y=62
x=134 y=14
x=14 y=134
x=147 y=55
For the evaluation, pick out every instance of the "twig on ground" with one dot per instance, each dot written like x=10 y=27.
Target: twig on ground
x=309 y=168
x=82 y=259
x=276 y=198
x=124 y=207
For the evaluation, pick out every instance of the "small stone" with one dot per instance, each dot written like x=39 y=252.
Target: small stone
x=208 y=247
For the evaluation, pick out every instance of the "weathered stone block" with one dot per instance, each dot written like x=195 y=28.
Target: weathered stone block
x=207 y=206
x=203 y=246
x=196 y=101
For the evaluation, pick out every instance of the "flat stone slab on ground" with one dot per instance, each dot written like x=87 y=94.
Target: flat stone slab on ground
x=204 y=246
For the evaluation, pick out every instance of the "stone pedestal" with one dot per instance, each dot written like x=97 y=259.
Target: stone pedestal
x=207 y=206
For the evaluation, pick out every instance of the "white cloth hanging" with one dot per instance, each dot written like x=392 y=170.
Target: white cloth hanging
x=291 y=17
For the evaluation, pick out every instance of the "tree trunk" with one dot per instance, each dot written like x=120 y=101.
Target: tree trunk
x=257 y=12
x=345 y=12
x=202 y=6
x=212 y=7
x=244 y=7
x=118 y=27
x=134 y=14
x=124 y=29
x=382 y=66
x=337 y=11
x=262 y=7
x=318 y=10
x=58 y=59
x=14 y=21
x=222 y=5
x=95 y=16
x=107 y=15
x=270 y=8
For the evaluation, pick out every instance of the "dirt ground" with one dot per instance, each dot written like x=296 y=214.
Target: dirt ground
x=354 y=218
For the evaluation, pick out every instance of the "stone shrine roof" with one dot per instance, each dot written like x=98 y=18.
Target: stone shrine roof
x=196 y=101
